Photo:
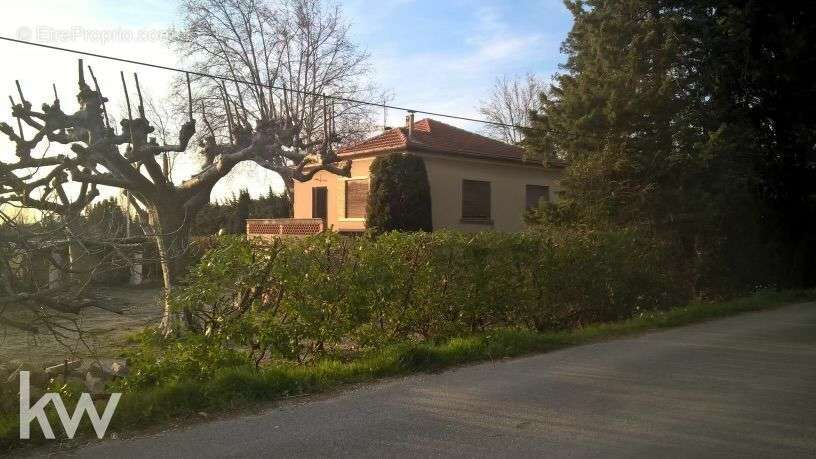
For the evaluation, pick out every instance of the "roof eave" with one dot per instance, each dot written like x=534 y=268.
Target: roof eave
x=482 y=157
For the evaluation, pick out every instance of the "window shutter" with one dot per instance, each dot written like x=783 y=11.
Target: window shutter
x=534 y=195
x=475 y=201
x=356 y=198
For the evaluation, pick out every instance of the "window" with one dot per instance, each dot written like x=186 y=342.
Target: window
x=320 y=202
x=356 y=198
x=535 y=194
x=475 y=201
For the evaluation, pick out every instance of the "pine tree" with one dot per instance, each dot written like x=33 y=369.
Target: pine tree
x=638 y=115
x=761 y=59
x=273 y=205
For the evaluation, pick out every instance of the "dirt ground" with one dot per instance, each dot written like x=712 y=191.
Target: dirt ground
x=104 y=331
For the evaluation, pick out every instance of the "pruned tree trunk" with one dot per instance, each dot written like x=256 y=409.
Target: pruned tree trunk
x=171 y=221
x=97 y=155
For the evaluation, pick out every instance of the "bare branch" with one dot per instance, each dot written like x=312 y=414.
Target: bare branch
x=510 y=103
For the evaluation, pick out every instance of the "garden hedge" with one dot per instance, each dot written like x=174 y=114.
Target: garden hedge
x=298 y=299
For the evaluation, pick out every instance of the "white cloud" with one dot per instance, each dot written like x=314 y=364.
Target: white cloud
x=453 y=71
x=494 y=39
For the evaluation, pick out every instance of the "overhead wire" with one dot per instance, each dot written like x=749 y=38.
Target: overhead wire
x=268 y=86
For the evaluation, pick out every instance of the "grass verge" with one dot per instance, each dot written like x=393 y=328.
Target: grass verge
x=234 y=388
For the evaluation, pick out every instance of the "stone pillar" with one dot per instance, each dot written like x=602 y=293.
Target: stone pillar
x=54 y=273
x=136 y=269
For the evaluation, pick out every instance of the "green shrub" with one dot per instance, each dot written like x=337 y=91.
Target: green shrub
x=235 y=384
x=192 y=358
x=301 y=300
x=400 y=195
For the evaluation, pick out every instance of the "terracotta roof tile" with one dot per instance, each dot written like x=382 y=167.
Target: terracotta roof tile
x=436 y=137
x=387 y=141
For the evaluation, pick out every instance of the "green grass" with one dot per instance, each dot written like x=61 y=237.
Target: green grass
x=233 y=388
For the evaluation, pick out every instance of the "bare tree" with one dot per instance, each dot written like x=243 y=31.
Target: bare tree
x=95 y=154
x=42 y=289
x=510 y=103
x=301 y=45
x=163 y=117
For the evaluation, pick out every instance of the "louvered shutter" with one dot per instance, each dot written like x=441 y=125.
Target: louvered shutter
x=356 y=198
x=475 y=201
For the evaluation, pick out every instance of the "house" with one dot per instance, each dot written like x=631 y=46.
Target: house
x=476 y=182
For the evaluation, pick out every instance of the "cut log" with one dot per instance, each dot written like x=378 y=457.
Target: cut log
x=62 y=368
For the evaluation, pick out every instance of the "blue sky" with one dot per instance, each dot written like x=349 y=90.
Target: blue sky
x=444 y=56
x=439 y=56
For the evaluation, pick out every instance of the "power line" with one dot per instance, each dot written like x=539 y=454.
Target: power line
x=251 y=83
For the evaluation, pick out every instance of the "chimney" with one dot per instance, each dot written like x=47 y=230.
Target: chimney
x=409 y=123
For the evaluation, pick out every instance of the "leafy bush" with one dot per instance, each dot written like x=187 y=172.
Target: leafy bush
x=303 y=299
x=400 y=195
x=177 y=394
x=193 y=358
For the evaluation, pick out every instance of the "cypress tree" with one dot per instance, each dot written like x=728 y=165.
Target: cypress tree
x=400 y=195
x=242 y=208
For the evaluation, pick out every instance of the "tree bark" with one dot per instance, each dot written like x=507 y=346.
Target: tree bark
x=171 y=224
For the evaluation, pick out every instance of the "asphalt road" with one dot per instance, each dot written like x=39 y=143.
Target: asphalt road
x=737 y=387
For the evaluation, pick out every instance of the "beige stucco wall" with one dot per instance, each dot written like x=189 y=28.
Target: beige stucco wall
x=445 y=174
x=507 y=190
x=336 y=190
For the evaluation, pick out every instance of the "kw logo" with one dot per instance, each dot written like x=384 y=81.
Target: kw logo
x=69 y=423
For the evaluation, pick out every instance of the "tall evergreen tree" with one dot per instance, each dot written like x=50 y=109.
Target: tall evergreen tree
x=659 y=113
x=243 y=207
x=761 y=58
x=273 y=205
x=400 y=194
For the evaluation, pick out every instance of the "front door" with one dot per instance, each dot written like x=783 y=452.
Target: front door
x=320 y=202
